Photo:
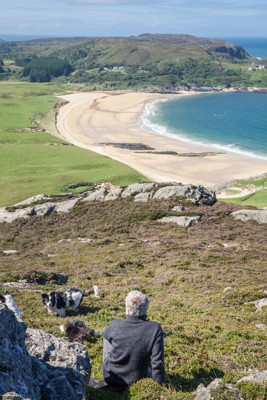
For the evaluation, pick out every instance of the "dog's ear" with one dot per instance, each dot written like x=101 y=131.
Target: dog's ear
x=2 y=299
x=44 y=297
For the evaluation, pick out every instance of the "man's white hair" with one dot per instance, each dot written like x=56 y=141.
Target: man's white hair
x=136 y=304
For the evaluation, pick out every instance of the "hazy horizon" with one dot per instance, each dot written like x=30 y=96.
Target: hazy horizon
x=124 y=18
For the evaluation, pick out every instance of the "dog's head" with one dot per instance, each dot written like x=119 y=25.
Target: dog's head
x=49 y=299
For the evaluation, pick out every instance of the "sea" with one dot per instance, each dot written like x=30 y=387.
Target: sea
x=231 y=121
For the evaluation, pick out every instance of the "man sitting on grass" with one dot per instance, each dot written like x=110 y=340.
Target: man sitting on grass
x=133 y=347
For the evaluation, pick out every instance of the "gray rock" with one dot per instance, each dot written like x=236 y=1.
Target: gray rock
x=261 y=326
x=98 y=195
x=259 y=303
x=181 y=221
x=136 y=188
x=171 y=191
x=259 y=216
x=39 y=366
x=12 y=396
x=34 y=199
x=6 y=216
x=178 y=208
x=68 y=364
x=258 y=378
x=114 y=194
x=42 y=210
x=143 y=197
x=216 y=389
x=16 y=374
x=65 y=206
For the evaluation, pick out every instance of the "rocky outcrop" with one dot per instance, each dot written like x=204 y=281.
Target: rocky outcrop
x=259 y=378
x=184 y=221
x=259 y=216
x=35 y=365
x=65 y=365
x=198 y=195
x=16 y=370
x=39 y=210
x=216 y=390
x=141 y=192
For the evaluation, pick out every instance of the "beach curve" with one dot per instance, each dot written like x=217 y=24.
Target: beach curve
x=109 y=123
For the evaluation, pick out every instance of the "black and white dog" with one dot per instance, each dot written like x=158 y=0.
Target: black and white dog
x=77 y=331
x=59 y=302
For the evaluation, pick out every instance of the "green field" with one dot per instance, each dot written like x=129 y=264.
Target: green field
x=256 y=199
x=38 y=162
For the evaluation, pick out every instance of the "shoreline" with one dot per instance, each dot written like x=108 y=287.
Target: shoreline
x=106 y=122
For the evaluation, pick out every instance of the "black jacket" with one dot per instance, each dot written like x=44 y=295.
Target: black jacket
x=137 y=345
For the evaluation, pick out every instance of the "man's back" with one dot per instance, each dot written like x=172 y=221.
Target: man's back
x=136 y=345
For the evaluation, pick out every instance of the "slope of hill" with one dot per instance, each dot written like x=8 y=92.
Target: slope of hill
x=199 y=281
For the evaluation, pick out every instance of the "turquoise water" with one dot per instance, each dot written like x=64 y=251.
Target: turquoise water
x=235 y=121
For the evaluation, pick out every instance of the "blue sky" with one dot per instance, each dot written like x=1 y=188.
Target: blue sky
x=206 y=18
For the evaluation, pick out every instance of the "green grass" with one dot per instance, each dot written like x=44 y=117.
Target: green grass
x=37 y=162
x=257 y=199
x=208 y=333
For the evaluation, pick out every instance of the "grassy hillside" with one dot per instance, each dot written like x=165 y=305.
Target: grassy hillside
x=209 y=332
x=154 y=62
x=33 y=161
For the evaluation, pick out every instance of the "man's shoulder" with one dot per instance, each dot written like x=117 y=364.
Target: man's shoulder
x=154 y=325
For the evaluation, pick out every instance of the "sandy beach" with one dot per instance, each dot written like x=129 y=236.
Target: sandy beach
x=98 y=120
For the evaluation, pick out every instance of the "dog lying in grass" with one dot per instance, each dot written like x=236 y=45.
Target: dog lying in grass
x=77 y=331
x=70 y=299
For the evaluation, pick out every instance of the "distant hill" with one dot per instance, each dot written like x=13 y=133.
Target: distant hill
x=147 y=62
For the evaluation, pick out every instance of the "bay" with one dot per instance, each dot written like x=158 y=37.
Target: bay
x=232 y=121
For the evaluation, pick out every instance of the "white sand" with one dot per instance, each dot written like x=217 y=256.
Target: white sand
x=91 y=119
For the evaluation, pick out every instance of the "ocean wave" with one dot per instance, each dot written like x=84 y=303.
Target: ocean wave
x=151 y=109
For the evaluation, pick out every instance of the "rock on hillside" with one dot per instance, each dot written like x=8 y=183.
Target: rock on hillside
x=36 y=365
x=142 y=192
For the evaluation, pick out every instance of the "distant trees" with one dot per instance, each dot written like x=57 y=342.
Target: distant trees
x=42 y=69
x=1 y=66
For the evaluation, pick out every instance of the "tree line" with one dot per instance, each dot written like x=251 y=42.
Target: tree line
x=43 y=69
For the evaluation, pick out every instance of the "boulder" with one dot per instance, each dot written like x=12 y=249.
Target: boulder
x=66 y=365
x=259 y=378
x=65 y=206
x=34 y=199
x=97 y=195
x=178 y=209
x=181 y=221
x=216 y=390
x=143 y=197
x=259 y=303
x=35 y=365
x=16 y=372
x=259 y=216
x=42 y=210
x=114 y=194
x=6 y=216
x=196 y=194
x=171 y=191
x=136 y=188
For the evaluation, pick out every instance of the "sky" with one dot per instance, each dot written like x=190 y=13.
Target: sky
x=204 y=18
